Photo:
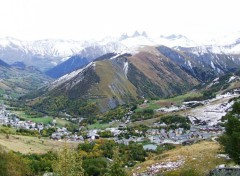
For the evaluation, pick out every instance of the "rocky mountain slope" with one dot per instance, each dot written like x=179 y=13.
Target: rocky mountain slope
x=202 y=65
x=152 y=72
x=122 y=79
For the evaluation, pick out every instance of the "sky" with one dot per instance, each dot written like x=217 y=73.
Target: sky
x=95 y=19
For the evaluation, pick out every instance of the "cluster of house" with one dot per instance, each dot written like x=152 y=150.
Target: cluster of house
x=181 y=136
x=63 y=133
x=9 y=119
x=184 y=106
x=158 y=135
x=155 y=136
x=178 y=136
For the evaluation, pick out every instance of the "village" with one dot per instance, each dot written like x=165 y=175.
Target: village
x=154 y=135
x=202 y=127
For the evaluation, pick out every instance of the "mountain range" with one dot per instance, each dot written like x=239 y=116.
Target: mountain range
x=46 y=54
x=117 y=71
x=152 y=72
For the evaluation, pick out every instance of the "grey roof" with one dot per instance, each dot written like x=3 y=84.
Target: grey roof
x=150 y=147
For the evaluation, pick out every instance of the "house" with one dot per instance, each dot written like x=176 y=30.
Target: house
x=225 y=171
x=188 y=142
x=179 y=131
x=163 y=125
x=114 y=131
x=152 y=131
x=122 y=126
x=92 y=134
x=151 y=147
x=55 y=136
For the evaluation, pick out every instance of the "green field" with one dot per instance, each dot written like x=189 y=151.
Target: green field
x=45 y=120
x=25 y=116
x=61 y=122
x=100 y=126
x=178 y=100
x=151 y=105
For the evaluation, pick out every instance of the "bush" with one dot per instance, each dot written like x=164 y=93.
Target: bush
x=231 y=138
x=176 y=121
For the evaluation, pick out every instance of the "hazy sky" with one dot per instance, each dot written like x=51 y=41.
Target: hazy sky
x=94 y=19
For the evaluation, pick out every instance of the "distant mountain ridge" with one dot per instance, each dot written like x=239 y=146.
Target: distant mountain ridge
x=18 y=79
x=68 y=66
x=3 y=64
x=46 y=54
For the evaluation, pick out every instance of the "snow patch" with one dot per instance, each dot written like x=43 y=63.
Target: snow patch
x=216 y=79
x=4 y=42
x=114 y=57
x=54 y=63
x=64 y=59
x=70 y=76
x=138 y=41
x=190 y=64
x=125 y=68
x=231 y=79
x=212 y=65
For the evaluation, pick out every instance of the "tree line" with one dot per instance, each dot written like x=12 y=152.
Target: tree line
x=98 y=158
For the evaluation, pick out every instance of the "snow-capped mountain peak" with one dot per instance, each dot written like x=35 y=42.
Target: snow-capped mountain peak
x=9 y=41
x=136 y=34
x=45 y=54
x=176 y=40
x=173 y=37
